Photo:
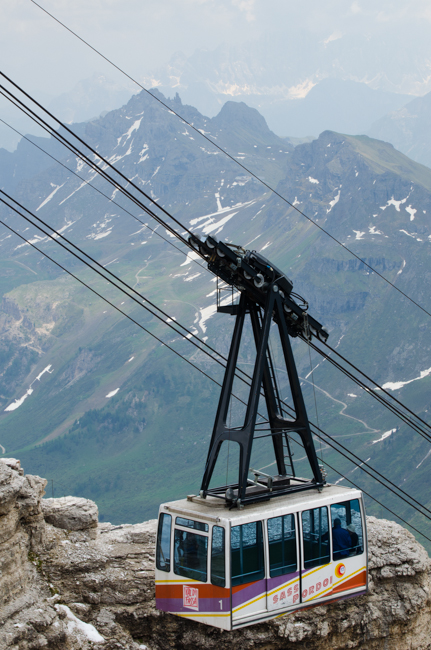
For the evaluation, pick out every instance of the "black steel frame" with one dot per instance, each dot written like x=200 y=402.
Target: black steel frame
x=263 y=378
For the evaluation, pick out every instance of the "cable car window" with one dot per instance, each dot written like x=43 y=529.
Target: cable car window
x=247 y=553
x=218 y=572
x=315 y=534
x=347 y=536
x=190 y=555
x=190 y=523
x=282 y=545
x=163 y=553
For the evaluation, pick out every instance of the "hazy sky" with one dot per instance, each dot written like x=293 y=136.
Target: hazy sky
x=141 y=35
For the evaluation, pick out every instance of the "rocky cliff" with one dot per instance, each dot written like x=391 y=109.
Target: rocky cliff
x=70 y=583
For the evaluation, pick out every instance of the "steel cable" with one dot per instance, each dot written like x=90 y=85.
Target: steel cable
x=214 y=144
x=351 y=454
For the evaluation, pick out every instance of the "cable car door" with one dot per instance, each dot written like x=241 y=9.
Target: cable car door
x=248 y=570
x=283 y=582
x=317 y=578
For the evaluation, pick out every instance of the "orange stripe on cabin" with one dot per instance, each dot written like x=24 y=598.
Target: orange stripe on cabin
x=205 y=590
x=360 y=580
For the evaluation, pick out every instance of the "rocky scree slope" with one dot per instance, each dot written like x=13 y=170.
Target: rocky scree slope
x=67 y=582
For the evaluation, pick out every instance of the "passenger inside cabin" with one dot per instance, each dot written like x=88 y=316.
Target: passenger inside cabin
x=341 y=540
x=191 y=550
x=353 y=537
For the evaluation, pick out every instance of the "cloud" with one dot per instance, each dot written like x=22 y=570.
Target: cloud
x=247 y=6
x=333 y=37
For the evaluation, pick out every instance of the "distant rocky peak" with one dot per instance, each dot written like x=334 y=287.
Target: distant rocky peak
x=236 y=113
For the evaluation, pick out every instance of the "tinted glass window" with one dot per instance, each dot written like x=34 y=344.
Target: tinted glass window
x=218 y=575
x=247 y=553
x=190 y=523
x=190 y=555
x=282 y=545
x=163 y=548
x=315 y=534
x=347 y=535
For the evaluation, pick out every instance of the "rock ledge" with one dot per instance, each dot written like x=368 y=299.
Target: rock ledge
x=68 y=583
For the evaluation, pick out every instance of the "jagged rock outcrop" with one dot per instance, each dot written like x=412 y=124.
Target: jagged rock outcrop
x=84 y=587
x=70 y=513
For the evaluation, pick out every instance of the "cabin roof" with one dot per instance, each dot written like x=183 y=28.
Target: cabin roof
x=214 y=510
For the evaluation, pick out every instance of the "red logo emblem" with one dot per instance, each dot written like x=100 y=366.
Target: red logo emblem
x=190 y=597
x=340 y=570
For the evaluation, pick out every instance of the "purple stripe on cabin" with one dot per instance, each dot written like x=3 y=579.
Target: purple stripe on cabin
x=248 y=592
x=205 y=605
x=273 y=583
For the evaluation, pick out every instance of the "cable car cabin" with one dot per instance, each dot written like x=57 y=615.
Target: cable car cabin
x=233 y=568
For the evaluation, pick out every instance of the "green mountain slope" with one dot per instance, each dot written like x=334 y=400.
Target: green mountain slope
x=117 y=416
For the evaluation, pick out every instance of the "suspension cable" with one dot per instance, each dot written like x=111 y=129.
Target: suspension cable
x=107 y=177
x=102 y=159
x=109 y=198
x=370 y=496
x=363 y=463
x=93 y=151
x=391 y=407
x=61 y=138
x=208 y=376
x=214 y=144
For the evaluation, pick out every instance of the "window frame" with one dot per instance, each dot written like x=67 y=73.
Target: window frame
x=297 y=554
x=225 y=554
x=329 y=555
x=178 y=524
x=162 y=515
x=260 y=546
x=189 y=531
x=349 y=516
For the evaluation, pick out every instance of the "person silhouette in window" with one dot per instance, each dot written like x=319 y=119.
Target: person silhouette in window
x=353 y=538
x=191 y=551
x=341 y=540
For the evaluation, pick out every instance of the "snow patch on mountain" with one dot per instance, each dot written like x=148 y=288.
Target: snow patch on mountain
x=48 y=198
x=395 y=203
x=411 y=212
x=218 y=225
x=384 y=436
x=75 y=625
x=189 y=278
x=396 y=385
x=205 y=314
x=191 y=255
x=18 y=402
x=333 y=202
x=135 y=126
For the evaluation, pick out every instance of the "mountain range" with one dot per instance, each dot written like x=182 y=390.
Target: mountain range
x=408 y=129
x=104 y=410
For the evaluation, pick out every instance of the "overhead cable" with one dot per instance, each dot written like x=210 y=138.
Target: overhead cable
x=96 y=168
x=109 y=198
x=349 y=455
x=363 y=464
x=45 y=125
x=258 y=178
x=384 y=402
x=371 y=496
x=177 y=235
